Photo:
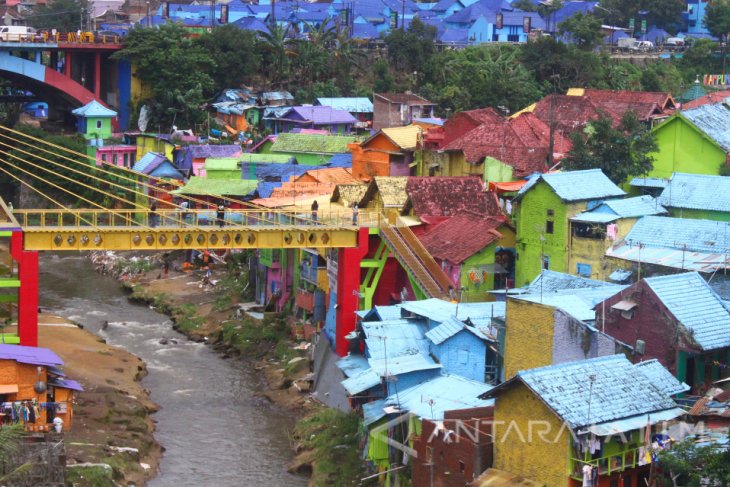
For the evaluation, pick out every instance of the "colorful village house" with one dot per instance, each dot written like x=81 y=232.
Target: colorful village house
x=593 y=232
x=693 y=141
x=543 y=210
x=162 y=144
x=398 y=109
x=390 y=152
x=231 y=108
x=463 y=228
x=593 y=414
x=677 y=319
x=307 y=149
x=315 y=117
x=191 y=159
x=697 y=196
x=31 y=380
x=157 y=176
x=94 y=122
x=359 y=107
x=120 y=155
x=658 y=245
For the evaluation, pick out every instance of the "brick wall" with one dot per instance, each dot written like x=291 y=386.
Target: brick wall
x=519 y=447
x=528 y=336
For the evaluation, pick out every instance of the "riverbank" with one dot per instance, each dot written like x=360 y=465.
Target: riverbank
x=112 y=418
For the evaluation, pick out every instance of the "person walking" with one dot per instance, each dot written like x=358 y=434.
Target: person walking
x=183 y=212
x=354 y=214
x=315 y=207
x=153 y=214
x=220 y=215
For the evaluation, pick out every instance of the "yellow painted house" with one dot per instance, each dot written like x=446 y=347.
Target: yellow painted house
x=593 y=232
x=555 y=424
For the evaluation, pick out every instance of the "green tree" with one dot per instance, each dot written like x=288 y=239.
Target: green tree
x=687 y=464
x=526 y=5
x=383 y=78
x=549 y=59
x=547 y=9
x=62 y=15
x=583 y=30
x=661 y=76
x=698 y=60
x=411 y=49
x=276 y=45
x=234 y=54
x=620 y=152
x=717 y=18
x=176 y=67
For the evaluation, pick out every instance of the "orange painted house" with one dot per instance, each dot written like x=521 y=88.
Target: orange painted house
x=30 y=378
x=390 y=152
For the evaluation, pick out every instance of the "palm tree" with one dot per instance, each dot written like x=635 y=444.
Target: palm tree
x=345 y=57
x=277 y=48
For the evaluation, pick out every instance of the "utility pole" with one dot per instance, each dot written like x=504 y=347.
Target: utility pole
x=149 y=21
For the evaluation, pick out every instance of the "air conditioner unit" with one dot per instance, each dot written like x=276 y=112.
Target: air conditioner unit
x=640 y=347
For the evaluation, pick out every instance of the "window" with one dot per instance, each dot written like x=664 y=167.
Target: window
x=550 y=213
x=103 y=157
x=462 y=467
x=463 y=357
x=583 y=270
x=114 y=159
x=98 y=124
x=549 y=227
x=589 y=230
x=126 y=160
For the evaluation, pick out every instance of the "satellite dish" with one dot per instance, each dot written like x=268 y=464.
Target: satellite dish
x=39 y=387
x=144 y=118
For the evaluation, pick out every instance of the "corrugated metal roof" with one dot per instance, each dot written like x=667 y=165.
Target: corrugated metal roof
x=633 y=207
x=352 y=364
x=317 y=144
x=590 y=184
x=705 y=262
x=618 y=390
x=440 y=310
x=402 y=364
x=575 y=306
x=697 y=191
x=552 y=281
x=594 y=217
x=217 y=187
x=681 y=234
x=430 y=399
x=94 y=109
x=404 y=137
x=373 y=411
x=713 y=120
x=318 y=115
x=29 y=355
x=361 y=381
x=360 y=104
x=661 y=377
x=649 y=182
x=635 y=422
x=696 y=306
x=450 y=327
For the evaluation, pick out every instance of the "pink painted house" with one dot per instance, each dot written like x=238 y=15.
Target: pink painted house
x=116 y=155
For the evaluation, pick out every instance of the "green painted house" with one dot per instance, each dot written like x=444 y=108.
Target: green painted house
x=222 y=168
x=542 y=211
x=308 y=149
x=94 y=122
x=697 y=196
x=695 y=141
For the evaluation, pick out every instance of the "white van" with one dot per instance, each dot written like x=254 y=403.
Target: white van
x=17 y=33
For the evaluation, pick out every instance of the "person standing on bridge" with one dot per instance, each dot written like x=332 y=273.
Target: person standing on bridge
x=220 y=215
x=153 y=214
x=355 y=212
x=315 y=207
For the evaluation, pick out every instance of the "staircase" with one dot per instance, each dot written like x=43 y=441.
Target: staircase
x=414 y=257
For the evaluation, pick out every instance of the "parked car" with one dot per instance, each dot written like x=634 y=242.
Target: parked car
x=674 y=43
x=641 y=46
x=16 y=33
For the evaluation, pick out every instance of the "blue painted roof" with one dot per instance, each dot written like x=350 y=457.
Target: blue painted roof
x=251 y=23
x=632 y=207
x=713 y=120
x=680 y=233
x=360 y=104
x=661 y=377
x=382 y=313
x=590 y=184
x=364 y=31
x=94 y=109
x=594 y=217
x=696 y=306
x=352 y=364
x=458 y=36
x=517 y=18
x=649 y=182
x=430 y=399
x=440 y=310
x=619 y=390
x=340 y=160
x=157 y=165
x=451 y=327
x=373 y=411
x=361 y=381
x=396 y=347
x=571 y=8
x=698 y=192
x=265 y=189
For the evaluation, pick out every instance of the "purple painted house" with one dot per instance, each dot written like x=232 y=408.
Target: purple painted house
x=315 y=117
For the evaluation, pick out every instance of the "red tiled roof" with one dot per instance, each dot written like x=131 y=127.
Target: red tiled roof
x=482 y=115
x=450 y=196
x=522 y=142
x=337 y=175
x=663 y=100
x=460 y=237
x=708 y=99
x=571 y=113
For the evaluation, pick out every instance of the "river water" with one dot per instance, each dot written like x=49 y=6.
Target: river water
x=215 y=431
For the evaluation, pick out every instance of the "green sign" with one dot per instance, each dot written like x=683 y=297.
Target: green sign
x=632 y=24
x=643 y=26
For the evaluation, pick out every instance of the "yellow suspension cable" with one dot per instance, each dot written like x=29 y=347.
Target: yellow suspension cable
x=67 y=178
x=40 y=193
x=222 y=197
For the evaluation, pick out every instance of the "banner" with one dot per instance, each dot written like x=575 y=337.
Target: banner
x=716 y=79
x=500 y=21
x=394 y=20
x=526 y=24
x=166 y=10
x=224 y=13
x=643 y=26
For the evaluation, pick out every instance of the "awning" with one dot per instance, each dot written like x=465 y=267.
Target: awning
x=507 y=186
x=624 y=305
x=634 y=422
x=8 y=388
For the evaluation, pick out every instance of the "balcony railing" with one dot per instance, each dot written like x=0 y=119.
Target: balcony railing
x=609 y=464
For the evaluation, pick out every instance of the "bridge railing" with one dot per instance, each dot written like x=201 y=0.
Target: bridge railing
x=63 y=37
x=58 y=218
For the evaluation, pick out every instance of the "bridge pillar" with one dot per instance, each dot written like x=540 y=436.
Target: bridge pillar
x=38 y=57
x=348 y=290
x=97 y=75
x=28 y=291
